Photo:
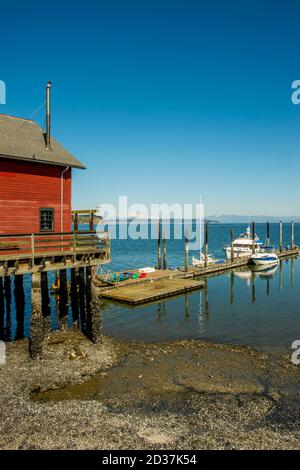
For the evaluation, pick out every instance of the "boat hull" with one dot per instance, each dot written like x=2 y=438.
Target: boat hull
x=265 y=261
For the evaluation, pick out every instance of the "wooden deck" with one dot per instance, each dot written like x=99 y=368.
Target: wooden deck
x=31 y=253
x=152 y=291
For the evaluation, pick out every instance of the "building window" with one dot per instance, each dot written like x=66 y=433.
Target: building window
x=47 y=220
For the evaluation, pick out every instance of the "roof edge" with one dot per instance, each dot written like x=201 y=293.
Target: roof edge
x=36 y=160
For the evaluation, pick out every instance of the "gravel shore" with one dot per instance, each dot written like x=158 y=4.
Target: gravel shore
x=133 y=395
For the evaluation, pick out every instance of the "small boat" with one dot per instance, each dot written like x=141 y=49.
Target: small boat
x=115 y=278
x=147 y=270
x=265 y=256
x=200 y=263
x=243 y=246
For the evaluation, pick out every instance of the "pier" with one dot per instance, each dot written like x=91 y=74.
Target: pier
x=37 y=255
x=167 y=283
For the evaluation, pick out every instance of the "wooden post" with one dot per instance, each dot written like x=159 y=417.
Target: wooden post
x=45 y=294
x=253 y=237
x=76 y=222
x=158 y=246
x=74 y=294
x=63 y=293
x=268 y=234
x=94 y=322
x=292 y=235
x=231 y=245
x=91 y=221
x=20 y=305
x=186 y=262
x=1 y=306
x=206 y=245
x=165 y=251
x=81 y=294
x=280 y=237
x=37 y=330
x=7 y=296
x=57 y=280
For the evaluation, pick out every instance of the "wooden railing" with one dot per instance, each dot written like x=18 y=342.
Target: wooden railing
x=47 y=244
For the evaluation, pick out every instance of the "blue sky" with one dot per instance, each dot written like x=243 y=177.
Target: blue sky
x=164 y=101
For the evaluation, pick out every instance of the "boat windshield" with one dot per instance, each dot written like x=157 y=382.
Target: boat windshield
x=267 y=248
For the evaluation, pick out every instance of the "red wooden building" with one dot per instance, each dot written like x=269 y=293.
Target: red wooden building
x=35 y=179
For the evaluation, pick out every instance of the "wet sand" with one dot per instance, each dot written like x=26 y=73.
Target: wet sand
x=134 y=395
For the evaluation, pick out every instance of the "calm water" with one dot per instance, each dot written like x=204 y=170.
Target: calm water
x=241 y=307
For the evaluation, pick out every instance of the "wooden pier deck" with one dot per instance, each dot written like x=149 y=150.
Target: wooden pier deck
x=151 y=291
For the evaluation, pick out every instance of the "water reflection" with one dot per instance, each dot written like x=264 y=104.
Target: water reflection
x=240 y=306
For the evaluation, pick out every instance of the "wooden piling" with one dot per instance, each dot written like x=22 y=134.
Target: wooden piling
x=20 y=305
x=76 y=222
x=292 y=235
x=81 y=295
x=280 y=236
x=36 y=329
x=91 y=220
x=158 y=246
x=231 y=245
x=94 y=322
x=7 y=296
x=63 y=293
x=74 y=294
x=253 y=237
x=45 y=294
x=186 y=260
x=165 y=252
x=206 y=245
x=1 y=306
x=57 y=281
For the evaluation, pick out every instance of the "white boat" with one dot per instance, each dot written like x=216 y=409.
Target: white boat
x=265 y=256
x=243 y=246
x=147 y=270
x=200 y=262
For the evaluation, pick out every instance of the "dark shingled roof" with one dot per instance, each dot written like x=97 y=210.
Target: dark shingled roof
x=23 y=139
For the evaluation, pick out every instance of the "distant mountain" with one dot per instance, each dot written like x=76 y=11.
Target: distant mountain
x=245 y=219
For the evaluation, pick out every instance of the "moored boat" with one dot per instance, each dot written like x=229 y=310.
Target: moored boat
x=243 y=246
x=265 y=256
x=200 y=262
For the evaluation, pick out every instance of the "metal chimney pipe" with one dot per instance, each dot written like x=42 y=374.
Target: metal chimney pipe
x=48 y=138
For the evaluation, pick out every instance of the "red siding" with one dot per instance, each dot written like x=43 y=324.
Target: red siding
x=26 y=187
